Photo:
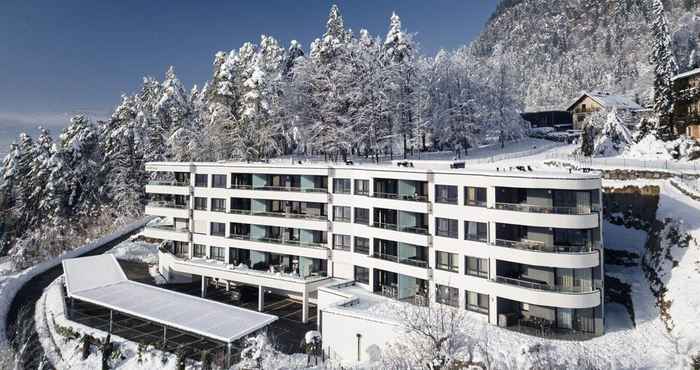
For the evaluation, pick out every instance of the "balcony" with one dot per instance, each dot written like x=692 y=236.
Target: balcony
x=291 y=189
x=281 y=241
x=407 y=229
x=538 y=246
x=544 y=287
x=164 y=204
x=412 y=261
x=409 y=197
x=291 y=215
x=167 y=209
x=166 y=232
x=522 y=207
x=168 y=183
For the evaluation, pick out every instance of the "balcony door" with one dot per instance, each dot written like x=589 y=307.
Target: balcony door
x=565 y=318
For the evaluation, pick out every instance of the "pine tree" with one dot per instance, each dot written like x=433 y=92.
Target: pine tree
x=665 y=67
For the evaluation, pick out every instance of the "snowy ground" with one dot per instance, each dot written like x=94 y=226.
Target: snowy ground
x=136 y=250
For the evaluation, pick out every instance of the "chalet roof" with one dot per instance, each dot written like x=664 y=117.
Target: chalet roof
x=686 y=74
x=607 y=101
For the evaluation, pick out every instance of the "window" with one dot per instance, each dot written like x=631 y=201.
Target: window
x=477 y=231
x=361 y=187
x=477 y=302
x=341 y=242
x=447 y=295
x=362 y=216
x=218 y=229
x=341 y=186
x=476 y=266
x=200 y=203
x=362 y=275
x=180 y=249
x=474 y=196
x=201 y=180
x=446 y=194
x=218 y=181
x=446 y=227
x=218 y=205
x=446 y=261
x=217 y=254
x=361 y=245
x=341 y=214
x=199 y=250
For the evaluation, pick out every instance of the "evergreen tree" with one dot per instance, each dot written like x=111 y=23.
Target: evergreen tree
x=665 y=67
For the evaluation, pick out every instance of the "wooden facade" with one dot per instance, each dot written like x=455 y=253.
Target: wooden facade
x=686 y=109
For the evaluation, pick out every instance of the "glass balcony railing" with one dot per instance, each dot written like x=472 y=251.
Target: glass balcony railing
x=413 y=261
x=407 y=229
x=169 y=228
x=410 y=197
x=291 y=215
x=164 y=204
x=168 y=183
x=538 y=246
x=543 y=286
x=277 y=240
x=522 y=207
x=291 y=189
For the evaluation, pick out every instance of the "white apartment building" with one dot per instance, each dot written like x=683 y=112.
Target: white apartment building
x=514 y=246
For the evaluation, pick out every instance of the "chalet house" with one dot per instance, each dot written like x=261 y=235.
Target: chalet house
x=557 y=119
x=686 y=109
x=587 y=103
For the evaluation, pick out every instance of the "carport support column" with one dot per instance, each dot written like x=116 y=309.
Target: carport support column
x=305 y=307
x=228 y=354
x=110 y=322
x=205 y=282
x=261 y=298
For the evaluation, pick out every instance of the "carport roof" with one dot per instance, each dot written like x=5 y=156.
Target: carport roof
x=100 y=280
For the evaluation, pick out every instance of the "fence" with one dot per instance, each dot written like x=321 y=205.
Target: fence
x=629 y=163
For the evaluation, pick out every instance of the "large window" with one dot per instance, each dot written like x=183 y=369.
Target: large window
x=217 y=254
x=200 y=203
x=361 y=245
x=446 y=194
x=218 y=181
x=362 y=275
x=446 y=261
x=199 y=250
x=362 y=216
x=476 y=266
x=361 y=187
x=218 y=229
x=474 y=196
x=341 y=186
x=341 y=242
x=218 y=205
x=201 y=180
x=477 y=302
x=477 y=231
x=446 y=227
x=181 y=249
x=341 y=214
x=447 y=295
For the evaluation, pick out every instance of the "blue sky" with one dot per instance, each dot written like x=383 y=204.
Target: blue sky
x=59 y=57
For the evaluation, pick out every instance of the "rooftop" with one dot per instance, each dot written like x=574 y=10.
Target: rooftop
x=607 y=100
x=100 y=280
x=692 y=72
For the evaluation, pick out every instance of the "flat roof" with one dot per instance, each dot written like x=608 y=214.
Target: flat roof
x=100 y=280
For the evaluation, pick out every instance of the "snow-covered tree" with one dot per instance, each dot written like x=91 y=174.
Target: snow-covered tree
x=665 y=67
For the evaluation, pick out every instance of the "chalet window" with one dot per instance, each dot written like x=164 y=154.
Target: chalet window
x=218 y=181
x=200 y=203
x=362 y=275
x=361 y=187
x=341 y=186
x=341 y=214
x=217 y=254
x=201 y=180
x=218 y=205
x=361 y=245
x=477 y=302
x=477 y=231
x=476 y=266
x=199 y=250
x=446 y=227
x=341 y=242
x=362 y=216
x=446 y=261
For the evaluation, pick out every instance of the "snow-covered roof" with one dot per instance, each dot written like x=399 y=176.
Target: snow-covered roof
x=101 y=281
x=608 y=101
x=686 y=74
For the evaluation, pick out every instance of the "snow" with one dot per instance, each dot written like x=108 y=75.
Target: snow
x=136 y=250
x=609 y=101
x=11 y=284
x=686 y=74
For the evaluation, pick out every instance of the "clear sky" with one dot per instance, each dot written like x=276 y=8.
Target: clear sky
x=60 y=57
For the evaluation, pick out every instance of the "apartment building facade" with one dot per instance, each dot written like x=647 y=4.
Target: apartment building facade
x=516 y=247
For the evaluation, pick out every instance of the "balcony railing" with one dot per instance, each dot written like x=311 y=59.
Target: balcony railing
x=543 y=286
x=162 y=204
x=522 y=207
x=410 y=197
x=535 y=245
x=169 y=228
x=283 y=241
x=384 y=225
x=291 y=215
x=168 y=183
x=291 y=188
x=446 y=200
x=413 y=261
x=240 y=211
x=414 y=230
x=241 y=186
x=475 y=203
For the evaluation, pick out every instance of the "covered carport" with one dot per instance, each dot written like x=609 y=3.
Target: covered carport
x=99 y=292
